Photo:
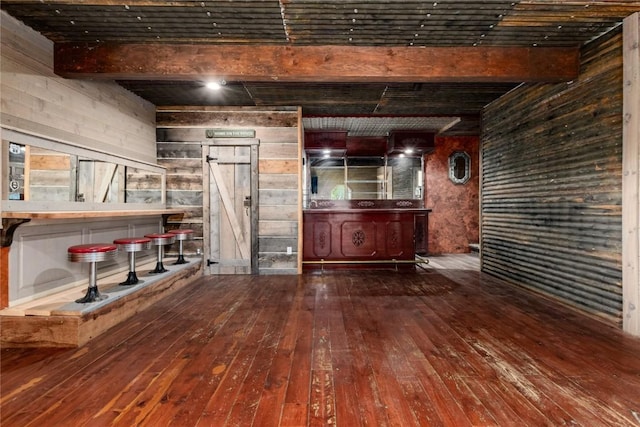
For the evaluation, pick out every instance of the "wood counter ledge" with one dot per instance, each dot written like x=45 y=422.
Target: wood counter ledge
x=87 y=214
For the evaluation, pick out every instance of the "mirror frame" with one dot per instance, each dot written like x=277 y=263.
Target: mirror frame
x=453 y=160
x=22 y=138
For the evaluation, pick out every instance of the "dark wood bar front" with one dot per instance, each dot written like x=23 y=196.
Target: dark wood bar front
x=363 y=238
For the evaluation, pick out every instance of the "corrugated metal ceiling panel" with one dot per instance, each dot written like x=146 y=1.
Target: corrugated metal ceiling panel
x=434 y=23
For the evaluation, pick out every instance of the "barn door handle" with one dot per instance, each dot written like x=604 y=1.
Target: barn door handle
x=247 y=204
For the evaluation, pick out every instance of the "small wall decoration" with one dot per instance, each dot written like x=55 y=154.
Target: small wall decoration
x=358 y=238
x=459 y=167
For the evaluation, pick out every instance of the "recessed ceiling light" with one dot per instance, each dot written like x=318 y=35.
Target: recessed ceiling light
x=214 y=85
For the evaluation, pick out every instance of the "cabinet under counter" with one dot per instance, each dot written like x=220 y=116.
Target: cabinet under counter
x=364 y=238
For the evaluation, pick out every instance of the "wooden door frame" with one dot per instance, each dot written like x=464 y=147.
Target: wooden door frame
x=253 y=144
x=631 y=177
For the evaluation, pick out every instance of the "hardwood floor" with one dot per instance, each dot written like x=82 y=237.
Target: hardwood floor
x=448 y=346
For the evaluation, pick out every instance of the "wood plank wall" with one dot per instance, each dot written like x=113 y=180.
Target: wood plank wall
x=181 y=132
x=97 y=115
x=143 y=187
x=49 y=175
x=551 y=188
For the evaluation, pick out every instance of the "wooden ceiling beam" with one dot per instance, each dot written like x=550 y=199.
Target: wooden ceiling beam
x=259 y=63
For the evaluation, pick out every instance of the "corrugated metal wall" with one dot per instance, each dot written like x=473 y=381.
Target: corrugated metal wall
x=551 y=185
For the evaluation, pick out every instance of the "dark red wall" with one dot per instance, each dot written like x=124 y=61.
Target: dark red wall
x=454 y=221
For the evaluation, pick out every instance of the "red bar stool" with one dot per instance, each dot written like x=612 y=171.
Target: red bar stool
x=132 y=245
x=182 y=234
x=92 y=253
x=160 y=239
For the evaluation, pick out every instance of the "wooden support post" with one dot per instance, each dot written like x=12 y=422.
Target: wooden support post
x=631 y=176
x=6 y=238
x=4 y=277
x=301 y=170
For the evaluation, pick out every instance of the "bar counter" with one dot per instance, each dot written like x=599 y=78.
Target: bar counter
x=345 y=237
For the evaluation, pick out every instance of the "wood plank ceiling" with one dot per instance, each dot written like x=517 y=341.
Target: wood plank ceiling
x=451 y=103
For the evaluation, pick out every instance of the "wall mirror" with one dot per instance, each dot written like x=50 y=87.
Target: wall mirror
x=365 y=178
x=43 y=174
x=405 y=177
x=459 y=167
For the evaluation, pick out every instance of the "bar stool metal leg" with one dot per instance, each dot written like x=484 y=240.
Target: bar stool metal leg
x=159 y=265
x=181 y=234
x=132 y=245
x=132 y=277
x=180 y=259
x=93 y=294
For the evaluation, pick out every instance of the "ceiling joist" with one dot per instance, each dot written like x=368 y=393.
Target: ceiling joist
x=261 y=63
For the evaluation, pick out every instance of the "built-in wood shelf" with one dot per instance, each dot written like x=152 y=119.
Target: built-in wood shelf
x=11 y=220
x=87 y=214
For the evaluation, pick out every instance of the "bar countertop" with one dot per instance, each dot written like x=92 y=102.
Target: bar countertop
x=366 y=206
x=366 y=210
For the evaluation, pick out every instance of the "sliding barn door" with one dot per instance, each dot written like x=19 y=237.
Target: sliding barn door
x=233 y=213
